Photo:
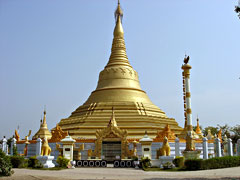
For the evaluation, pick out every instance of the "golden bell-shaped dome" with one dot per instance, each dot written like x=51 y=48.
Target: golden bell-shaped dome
x=118 y=86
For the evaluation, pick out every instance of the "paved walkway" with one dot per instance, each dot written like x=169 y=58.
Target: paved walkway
x=122 y=173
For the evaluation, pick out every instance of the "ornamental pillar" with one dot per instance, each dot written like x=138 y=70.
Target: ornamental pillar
x=187 y=104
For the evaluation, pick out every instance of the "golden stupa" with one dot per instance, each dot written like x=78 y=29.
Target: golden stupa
x=43 y=131
x=118 y=87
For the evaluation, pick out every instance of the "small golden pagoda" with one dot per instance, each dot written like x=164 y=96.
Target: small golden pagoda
x=118 y=86
x=43 y=130
x=198 y=130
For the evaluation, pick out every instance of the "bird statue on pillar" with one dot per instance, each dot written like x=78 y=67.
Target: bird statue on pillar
x=186 y=59
x=237 y=9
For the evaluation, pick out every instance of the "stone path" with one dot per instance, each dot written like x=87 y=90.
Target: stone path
x=122 y=173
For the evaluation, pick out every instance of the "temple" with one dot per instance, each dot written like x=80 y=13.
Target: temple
x=119 y=124
x=119 y=87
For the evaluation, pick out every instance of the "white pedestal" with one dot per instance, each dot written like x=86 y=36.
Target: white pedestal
x=191 y=154
x=155 y=162
x=165 y=159
x=46 y=161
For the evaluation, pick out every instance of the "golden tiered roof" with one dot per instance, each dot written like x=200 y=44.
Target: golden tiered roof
x=118 y=87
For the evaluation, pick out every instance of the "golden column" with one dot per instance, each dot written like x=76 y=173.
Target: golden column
x=190 y=151
x=187 y=103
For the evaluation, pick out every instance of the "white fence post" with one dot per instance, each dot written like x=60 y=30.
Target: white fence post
x=4 y=145
x=238 y=147
x=218 y=150
x=13 y=144
x=177 y=149
x=230 y=147
x=205 y=148
x=38 y=146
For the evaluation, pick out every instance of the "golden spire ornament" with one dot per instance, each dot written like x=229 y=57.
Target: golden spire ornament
x=118 y=12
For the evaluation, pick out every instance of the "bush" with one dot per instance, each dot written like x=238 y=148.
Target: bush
x=19 y=162
x=213 y=163
x=168 y=165
x=179 y=161
x=34 y=162
x=193 y=164
x=134 y=158
x=5 y=165
x=145 y=163
x=62 y=162
x=15 y=152
x=221 y=162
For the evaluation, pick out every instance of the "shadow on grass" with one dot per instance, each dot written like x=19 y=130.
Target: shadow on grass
x=163 y=170
x=50 y=169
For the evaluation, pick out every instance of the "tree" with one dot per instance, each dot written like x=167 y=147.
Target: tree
x=225 y=130
x=235 y=133
x=214 y=130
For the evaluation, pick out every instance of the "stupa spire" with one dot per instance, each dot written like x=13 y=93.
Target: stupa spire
x=118 y=52
x=44 y=117
x=112 y=121
x=43 y=131
x=198 y=129
x=118 y=12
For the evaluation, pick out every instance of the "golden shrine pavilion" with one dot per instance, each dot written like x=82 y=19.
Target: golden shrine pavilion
x=119 y=88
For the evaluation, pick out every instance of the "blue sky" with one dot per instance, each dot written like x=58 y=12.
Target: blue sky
x=53 y=50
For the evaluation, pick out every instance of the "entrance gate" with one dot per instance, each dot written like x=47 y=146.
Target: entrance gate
x=111 y=150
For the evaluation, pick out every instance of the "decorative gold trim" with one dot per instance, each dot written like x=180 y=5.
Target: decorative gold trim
x=58 y=134
x=165 y=133
x=189 y=111
x=111 y=133
x=188 y=94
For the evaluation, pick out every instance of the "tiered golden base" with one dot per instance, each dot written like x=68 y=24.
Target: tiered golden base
x=84 y=122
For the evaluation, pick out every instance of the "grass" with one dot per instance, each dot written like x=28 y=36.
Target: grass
x=161 y=169
x=54 y=168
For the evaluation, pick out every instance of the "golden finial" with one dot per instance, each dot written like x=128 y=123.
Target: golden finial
x=44 y=116
x=118 y=31
x=44 y=112
x=118 y=12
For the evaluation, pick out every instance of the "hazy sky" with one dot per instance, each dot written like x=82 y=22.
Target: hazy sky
x=51 y=53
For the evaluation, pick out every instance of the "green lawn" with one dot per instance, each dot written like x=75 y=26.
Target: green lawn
x=160 y=169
